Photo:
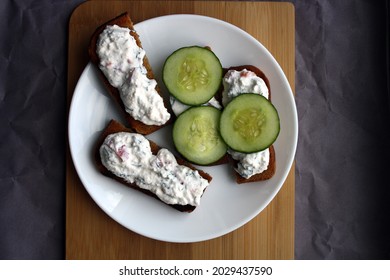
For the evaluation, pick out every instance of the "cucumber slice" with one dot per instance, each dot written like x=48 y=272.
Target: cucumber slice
x=249 y=123
x=192 y=74
x=196 y=135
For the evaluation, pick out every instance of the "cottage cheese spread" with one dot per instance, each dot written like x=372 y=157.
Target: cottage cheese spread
x=236 y=83
x=121 y=61
x=128 y=156
x=251 y=164
x=141 y=100
x=178 y=107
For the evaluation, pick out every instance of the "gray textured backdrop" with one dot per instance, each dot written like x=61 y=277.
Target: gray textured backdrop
x=342 y=161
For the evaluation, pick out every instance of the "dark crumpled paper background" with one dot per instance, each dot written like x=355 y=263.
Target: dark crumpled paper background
x=343 y=101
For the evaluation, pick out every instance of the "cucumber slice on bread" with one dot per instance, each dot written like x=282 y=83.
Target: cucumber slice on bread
x=196 y=135
x=249 y=123
x=192 y=74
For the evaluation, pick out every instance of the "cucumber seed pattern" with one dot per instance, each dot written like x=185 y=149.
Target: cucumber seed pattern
x=193 y=74
x=248 y=123
x=203 y=135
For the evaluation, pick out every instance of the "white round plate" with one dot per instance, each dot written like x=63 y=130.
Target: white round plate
x=225 y=206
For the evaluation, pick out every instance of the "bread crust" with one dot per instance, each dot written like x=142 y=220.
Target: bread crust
x=270 y=171
x=124 y=20
x=114 y=127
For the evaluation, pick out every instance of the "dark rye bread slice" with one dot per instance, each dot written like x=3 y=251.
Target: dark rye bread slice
x=114 y=127
x=123 y=20
x=270 y=171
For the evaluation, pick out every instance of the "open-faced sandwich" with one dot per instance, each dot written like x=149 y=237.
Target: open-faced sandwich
x=141 y=164
x=254 y=123
x=115 y=48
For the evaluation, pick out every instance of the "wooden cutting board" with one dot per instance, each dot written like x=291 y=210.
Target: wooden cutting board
x=90 y=233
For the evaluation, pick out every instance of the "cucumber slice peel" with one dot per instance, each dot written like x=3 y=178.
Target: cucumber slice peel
x=249 y=123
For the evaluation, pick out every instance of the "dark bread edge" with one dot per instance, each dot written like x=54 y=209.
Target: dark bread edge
x=270 y=171
x=124 y=20
x=113 y=127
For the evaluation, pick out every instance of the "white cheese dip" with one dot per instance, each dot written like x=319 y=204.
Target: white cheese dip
x=251 y=164
x=178 y=107
x=236 y=83
x=141 y=99
x=128 y=156
x=121 y=61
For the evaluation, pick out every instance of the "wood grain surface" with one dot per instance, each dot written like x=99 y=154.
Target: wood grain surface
x=90 y=233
